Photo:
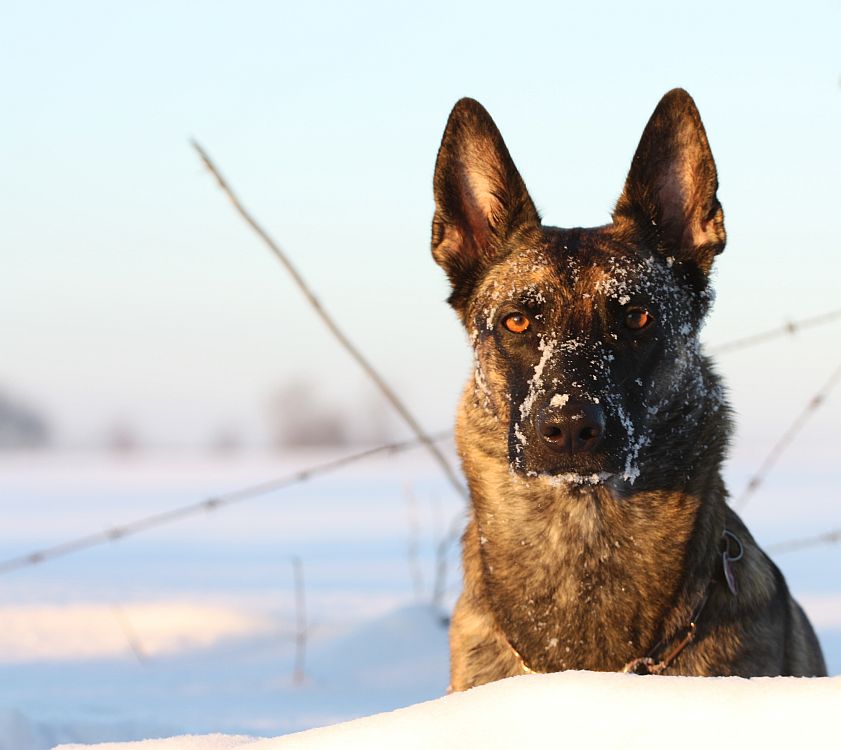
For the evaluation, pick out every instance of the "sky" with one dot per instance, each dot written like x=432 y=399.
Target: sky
x=132 y=293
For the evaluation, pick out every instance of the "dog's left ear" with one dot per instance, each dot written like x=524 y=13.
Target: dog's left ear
x=670 y=192
x=480 y=198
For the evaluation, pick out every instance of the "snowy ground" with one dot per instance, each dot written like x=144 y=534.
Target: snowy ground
x=599 y=710
x=189 y=629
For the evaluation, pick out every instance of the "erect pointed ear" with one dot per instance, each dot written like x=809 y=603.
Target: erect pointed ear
x=480 y=198
x=671 y=188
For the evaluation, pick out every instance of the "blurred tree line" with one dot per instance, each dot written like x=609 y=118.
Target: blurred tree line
x=21 y=425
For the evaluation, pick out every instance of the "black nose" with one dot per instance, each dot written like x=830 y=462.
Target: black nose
x=575 y=428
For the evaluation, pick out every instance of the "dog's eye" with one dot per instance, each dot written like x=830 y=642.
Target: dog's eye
x=637 y=318
x=516 y=323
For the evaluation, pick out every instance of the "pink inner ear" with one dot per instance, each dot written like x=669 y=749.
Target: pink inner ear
x=683 y=199
x=478 y=201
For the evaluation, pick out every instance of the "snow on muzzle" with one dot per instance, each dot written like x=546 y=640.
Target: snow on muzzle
x=567 y=421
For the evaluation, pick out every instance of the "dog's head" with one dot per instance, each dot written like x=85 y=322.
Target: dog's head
x=584 y=338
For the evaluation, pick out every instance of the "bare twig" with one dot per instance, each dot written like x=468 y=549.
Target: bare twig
x=117 y=533
x=785 y=440
x=333 y=327
x=788 y=329
x=792 y=545
x=441 y=557
x=298 y=673
x=129 y=632
x=413 y=543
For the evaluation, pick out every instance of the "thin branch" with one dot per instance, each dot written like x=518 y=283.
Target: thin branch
x=129 y=632
x=441 y=555
x=789 y=329
x=298 y=673
x=785 y=440
x=118 y=533
x=413 y=543
x=333 y=327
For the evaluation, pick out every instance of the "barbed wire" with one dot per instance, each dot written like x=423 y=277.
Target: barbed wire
x=331 y=324
x=117 y=533
x=792 y=545
x=155 y=520
x=786 y=439
x=788 y=329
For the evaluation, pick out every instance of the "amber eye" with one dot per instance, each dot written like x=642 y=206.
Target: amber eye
x=516 y=323
x=637 y=318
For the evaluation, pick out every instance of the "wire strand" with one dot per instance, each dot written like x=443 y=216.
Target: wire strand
x=786 y=439
x=117 y=533
x=155 y=520
x=794 y=545
x=788 y=329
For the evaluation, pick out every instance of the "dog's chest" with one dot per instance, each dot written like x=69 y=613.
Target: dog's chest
x=572 y=589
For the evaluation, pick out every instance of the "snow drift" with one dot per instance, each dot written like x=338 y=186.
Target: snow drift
x=572 y=708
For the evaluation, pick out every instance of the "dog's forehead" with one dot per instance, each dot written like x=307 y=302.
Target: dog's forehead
x=573 y=266
x=521 y=272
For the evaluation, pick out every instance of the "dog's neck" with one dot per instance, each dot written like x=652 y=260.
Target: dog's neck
x=590 y=576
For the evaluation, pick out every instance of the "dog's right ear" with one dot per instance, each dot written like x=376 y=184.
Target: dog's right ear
x=671 y=189
x=480 y=198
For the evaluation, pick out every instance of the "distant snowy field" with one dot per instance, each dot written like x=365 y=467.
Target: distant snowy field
x=189 y=629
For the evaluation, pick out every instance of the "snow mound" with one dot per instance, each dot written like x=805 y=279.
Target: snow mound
x=186 y=742
x=603 y=710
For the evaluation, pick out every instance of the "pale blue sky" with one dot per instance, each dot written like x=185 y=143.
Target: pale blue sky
x=132 y=291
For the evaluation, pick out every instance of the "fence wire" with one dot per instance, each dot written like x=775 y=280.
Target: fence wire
x=152 y=521
x=794 y=545
x=155 y=520
x=787 y=329
x=787 y=438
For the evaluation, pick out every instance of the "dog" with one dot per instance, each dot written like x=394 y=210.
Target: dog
x=593 y=429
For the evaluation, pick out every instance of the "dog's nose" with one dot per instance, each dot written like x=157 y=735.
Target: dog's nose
x=576 y=428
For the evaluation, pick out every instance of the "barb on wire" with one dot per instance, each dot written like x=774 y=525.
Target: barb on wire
x=332 y=326
x=116 y=533
x=788 y=329
x=792 y=545
x=787 y=437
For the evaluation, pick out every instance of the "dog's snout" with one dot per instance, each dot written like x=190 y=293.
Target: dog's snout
x=575 y=428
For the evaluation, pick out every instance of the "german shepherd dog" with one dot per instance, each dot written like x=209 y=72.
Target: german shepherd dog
x=593 y=429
